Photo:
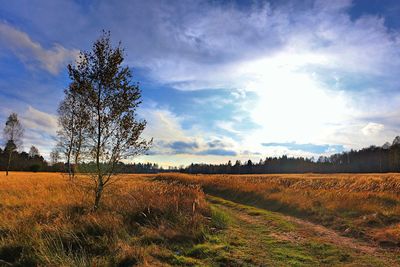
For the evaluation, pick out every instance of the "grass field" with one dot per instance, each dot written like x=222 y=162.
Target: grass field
x=201 y=220
x=47 y=220
x=365 y=206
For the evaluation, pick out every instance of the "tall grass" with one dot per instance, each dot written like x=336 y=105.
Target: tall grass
x=47 y=220
x=365 y=206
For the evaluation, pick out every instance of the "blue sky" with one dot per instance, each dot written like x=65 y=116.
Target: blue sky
x=220 y=79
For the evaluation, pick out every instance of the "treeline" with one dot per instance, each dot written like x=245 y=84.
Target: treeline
x=121 y=167
x=372 y=159
x=24 y=161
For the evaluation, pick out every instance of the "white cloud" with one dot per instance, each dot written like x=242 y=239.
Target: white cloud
x=40 y=130
x=39 y=121
x=372 y=128
x=162 y=124
x=32 y=53
x=228 y=126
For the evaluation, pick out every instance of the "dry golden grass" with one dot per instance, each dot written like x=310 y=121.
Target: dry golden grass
x=47 y=220
x=365 y=206
x=152 y=220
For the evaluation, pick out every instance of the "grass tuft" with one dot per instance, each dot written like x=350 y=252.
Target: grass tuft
x=219 y=219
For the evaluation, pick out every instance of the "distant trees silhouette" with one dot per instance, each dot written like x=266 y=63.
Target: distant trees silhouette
x=22 y=161
x=372 y=159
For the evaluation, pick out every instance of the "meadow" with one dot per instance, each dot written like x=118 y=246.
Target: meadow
x=176 y=219
x=46 y=220
x=364 y=206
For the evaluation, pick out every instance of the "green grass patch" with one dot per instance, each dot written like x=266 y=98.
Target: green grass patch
x=277 y=221
x=219 y=218
x=206 y=250
x=255 y=239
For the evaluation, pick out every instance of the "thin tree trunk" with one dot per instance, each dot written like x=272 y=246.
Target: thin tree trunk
x=100 y=185
x=8 y=162
x=71 y=144
x=78 y=151
x=69 y=164
x=98 y=194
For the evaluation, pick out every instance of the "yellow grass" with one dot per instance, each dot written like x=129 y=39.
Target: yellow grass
x=47 y=220
x=361 y=205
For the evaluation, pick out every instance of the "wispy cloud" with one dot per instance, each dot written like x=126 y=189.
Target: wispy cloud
x=40 y=121
x=33 y=53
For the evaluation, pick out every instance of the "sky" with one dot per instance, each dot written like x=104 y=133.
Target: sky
x=220 y=80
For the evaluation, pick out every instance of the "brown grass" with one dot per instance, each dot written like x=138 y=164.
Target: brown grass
x=47 y=220
x=365 y=206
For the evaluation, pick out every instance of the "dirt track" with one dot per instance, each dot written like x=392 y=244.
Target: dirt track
x=303 y=232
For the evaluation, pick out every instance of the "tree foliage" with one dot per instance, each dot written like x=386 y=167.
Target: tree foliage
x=102 y=89
x=72 y=119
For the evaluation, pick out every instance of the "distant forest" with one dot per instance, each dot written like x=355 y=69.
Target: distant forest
x=384 y=158
x=23 y=161
x=372 y=159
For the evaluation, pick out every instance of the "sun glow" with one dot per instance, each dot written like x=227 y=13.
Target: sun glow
x=293 y=105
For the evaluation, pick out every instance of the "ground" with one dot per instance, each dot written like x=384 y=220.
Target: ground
x=167 y=220
x=261 y=238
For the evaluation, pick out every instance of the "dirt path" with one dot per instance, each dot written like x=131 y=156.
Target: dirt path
x=305 y=243
x=330 y=236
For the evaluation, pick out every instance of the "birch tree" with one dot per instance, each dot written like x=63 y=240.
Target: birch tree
x=13 y=133
x=72 y=119
x=110 y=100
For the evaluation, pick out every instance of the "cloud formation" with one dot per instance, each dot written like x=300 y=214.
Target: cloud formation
x=302 y=71
x=316 y=71
x=372 y=128
x=32 y=53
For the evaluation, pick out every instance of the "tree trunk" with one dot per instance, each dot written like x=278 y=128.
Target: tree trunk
x=70 y=145
x=100 y=184
x=77 y=153
x=99 y=191
x=69 y=168
x=8 y=163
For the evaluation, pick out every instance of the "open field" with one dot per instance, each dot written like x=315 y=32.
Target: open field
x=167 y=219
x=47 y=220
x=364 y=206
